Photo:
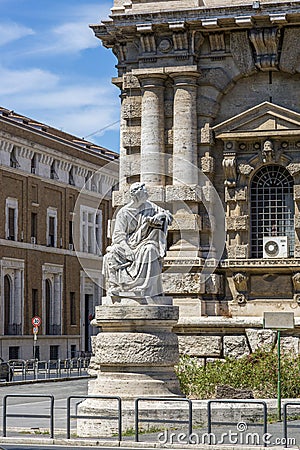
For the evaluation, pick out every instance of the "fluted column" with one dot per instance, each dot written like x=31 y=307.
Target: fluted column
x=185 y=129
x=153 y=130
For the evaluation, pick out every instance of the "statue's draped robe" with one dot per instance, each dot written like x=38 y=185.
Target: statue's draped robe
x=147 y=242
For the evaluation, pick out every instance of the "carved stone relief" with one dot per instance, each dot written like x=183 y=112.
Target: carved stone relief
x=267 y=153
x=241 y=285
x=148 y=43
x=180 y=40
x=208 y=164
x=266 y=43
x=296 y=286
x=229 y=166
x=217 y=42
x=207 y=135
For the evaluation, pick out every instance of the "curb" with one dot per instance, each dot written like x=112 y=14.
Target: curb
x=73 y=443
x=45 y=380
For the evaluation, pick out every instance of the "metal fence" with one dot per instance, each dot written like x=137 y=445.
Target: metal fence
x=47 y=412
x=137 y=420
x=285 y=421
x=94 y=417
x=49 y=416
x=247 y=402
x=22 y=370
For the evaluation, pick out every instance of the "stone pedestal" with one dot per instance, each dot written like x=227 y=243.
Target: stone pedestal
x=135 y=356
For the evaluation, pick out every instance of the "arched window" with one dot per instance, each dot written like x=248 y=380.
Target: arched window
x=7 y=304
x=272 y=207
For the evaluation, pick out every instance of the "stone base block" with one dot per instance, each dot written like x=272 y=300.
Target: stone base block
x=134 y=357
x=158 y=414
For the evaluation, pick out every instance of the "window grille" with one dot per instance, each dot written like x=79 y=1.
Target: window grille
x=272 y=207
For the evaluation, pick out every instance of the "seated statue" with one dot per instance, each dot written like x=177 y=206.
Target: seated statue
x=133 y=263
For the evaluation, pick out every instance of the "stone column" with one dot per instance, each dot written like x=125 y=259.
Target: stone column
x=153 y=129
x=185 y=194
x=185 y=129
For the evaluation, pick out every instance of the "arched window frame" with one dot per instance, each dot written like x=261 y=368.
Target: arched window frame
x=267 y=215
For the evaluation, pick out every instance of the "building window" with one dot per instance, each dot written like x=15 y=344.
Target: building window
x=7 y=304
x=35 y=304
x=53 y=172
x=33 y=228
x=54 y=352
x=13 y=353
x=51 y=227
x=91 y=230
x=12 y=296
x=73 y=351
x=73 y=315
x=71 y=177
x=34 y=164
x=52 y=300
x=272 y=207
x=53 y=326
x=71 y=242
x=11 y=219
x=13 y=159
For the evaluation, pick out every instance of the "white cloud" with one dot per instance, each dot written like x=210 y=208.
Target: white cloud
x=11 y=31
x=78 y=108
x=26 y=80
x=73 y=37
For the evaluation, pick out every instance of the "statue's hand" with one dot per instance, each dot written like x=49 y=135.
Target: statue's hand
x=129 y=255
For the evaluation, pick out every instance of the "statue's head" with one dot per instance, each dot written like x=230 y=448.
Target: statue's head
x=268 y=145
x=138 y=191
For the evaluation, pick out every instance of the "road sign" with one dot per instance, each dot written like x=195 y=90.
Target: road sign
x=36 y=321
x=35 y=330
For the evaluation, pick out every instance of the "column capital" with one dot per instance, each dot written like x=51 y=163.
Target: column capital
x=185 y=79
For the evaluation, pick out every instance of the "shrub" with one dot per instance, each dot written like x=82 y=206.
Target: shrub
x=257 y=372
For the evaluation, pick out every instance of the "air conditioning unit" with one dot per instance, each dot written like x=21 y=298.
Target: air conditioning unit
x=33 y=240
x=275 y=247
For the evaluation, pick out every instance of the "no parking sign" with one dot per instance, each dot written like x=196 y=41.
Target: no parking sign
x=36 y=321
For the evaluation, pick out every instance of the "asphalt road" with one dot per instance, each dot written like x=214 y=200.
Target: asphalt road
x=60 y=390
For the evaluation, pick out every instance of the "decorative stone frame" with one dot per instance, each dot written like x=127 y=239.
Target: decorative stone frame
x=244 y=153
x=15 y=269
x=53 y=273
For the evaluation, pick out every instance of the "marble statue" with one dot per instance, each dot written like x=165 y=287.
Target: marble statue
x=133 y=263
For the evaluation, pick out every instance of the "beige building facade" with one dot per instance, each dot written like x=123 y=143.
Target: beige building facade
x=210 y=121
x=55 y=202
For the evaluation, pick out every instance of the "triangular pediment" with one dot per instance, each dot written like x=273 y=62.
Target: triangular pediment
x=266 y=119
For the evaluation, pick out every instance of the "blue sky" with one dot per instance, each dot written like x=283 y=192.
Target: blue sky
x=54 y=70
